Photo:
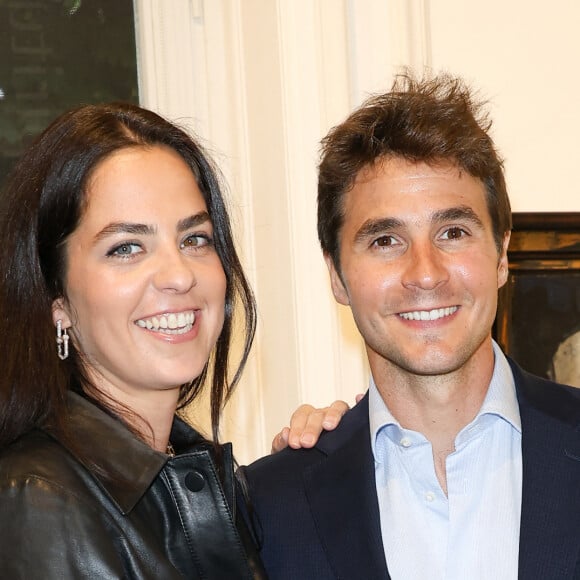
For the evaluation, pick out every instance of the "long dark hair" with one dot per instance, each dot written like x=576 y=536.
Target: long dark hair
x=40 y=207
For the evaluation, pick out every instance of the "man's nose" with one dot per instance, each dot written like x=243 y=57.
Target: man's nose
x=425 y=268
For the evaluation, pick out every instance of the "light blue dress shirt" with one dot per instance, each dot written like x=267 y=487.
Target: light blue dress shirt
x=473 y=533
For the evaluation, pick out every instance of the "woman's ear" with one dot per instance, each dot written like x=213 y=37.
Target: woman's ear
x=59 y=312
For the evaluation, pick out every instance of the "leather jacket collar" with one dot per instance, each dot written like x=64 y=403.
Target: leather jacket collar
x=109 y=442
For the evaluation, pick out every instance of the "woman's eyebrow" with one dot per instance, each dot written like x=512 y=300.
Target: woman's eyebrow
x=125 y=228
x=192 y=221
x=147 y=230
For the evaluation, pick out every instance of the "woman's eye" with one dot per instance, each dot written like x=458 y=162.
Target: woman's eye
x=454 y=233
x=126 y=249
x=196 y=241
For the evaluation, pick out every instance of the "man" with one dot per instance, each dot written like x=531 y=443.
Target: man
x=457 y=464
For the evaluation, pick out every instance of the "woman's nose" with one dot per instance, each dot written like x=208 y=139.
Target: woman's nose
x=175 y=272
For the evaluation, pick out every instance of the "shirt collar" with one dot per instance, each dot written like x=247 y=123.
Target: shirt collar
x=501 y=398
x=500 y=401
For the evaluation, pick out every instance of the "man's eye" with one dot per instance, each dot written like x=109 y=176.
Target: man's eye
x=384 y=241
x=453 y=233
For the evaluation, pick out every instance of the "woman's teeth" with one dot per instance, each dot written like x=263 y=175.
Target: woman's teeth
x=169 y=323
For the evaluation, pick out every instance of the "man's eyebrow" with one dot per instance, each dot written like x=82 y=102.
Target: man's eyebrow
x=377 y=226
x=461 y=212
x=149 y=230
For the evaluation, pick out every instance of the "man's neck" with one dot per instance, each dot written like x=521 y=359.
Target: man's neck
x=437 y=406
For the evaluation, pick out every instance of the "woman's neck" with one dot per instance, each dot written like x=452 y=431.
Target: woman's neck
x=149 y=412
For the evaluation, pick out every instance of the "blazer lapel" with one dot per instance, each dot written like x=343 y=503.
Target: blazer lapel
x=550 y=520
x=343 y=500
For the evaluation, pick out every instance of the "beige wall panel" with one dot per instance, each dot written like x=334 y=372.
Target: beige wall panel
x=524 y=56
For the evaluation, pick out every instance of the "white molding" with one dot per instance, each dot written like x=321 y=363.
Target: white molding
x=244 y=417
x=419 y=25
x=301 y=121
x=170 y=81
x=385 y=36
x=411 y=34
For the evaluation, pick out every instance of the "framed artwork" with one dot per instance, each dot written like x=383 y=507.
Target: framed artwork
x=538 y=319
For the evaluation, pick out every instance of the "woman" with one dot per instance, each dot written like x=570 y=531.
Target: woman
x=120 y=283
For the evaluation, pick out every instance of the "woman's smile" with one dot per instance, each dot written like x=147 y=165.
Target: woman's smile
x=173 y=323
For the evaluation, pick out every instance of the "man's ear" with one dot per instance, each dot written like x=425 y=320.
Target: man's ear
x=338 y=289
x=60 y=312
x=503 y=265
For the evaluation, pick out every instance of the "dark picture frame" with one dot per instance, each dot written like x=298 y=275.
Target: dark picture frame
x=539 y=306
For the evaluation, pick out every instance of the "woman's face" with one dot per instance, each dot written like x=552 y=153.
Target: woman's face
x=145 y=288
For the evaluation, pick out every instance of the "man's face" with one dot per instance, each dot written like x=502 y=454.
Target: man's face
x=419 y=266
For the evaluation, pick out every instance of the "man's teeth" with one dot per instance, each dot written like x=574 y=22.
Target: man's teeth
x=169 y=323
x=428 y=314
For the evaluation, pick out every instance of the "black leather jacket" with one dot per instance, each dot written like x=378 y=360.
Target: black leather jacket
x=162 y=518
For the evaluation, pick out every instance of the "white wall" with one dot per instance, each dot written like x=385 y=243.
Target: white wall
x=264 y=80
x=524 y=56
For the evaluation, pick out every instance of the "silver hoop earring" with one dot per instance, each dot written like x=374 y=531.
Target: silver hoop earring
x=61 y=341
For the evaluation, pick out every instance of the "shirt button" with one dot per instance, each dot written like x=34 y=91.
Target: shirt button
x=429 y=496
x=406 y=442
x=194 y=481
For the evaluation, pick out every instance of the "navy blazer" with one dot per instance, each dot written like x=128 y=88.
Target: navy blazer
x=316 y=515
